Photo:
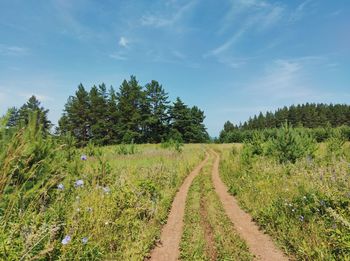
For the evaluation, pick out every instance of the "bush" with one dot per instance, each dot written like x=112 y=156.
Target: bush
x=292 y=144
x=335 y=144
x=172 y=144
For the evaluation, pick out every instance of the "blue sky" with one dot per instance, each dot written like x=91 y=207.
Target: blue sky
x=232 y=58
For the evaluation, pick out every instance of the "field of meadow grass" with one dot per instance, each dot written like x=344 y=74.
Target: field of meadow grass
x=304 y=206
x=58 y=202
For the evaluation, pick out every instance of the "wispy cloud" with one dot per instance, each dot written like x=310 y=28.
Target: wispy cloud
x=250 y=17
x=13 y=50
x=300 y=11
x=167 y=19
x=67 y=13
x=118 y=56
x=40 y=97
x=286 y=79
x=123 y=41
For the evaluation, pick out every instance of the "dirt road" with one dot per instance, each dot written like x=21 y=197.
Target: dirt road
x=171 y=234
x=259 y=244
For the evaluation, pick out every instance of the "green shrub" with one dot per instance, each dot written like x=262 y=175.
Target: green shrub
x=335 y=144
x=292 y=144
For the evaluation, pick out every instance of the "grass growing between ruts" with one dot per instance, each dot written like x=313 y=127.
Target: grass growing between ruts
x=208 y=233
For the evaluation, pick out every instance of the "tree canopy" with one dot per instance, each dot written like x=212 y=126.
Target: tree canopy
x=133 y=114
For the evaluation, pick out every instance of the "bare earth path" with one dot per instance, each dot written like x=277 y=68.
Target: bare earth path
x=172 y=231
x=259 y=243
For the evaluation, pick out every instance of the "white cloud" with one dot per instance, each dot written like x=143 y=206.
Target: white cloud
x=179 y=55
x=40 y=97
x=118 y=56
x=300 y=11
x=249 y=17
x=336 y=13
x=13 y=50
x=286 y=80
x=164 y=19
x=123 y=42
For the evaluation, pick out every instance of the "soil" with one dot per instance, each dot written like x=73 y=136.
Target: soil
x=168 y=248
x=259 y=244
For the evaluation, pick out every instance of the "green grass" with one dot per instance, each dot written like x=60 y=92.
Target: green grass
x=304 y=206
x=208 y=232
x=120 y=209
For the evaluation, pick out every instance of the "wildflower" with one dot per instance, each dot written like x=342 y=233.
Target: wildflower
x=106 y=223
x=301 y=218
x=304 y=197
x=293 y=210
x=66 y=240
x=309 y=159
x=78 y=209
x=79 y=183
x=60 y=186
x=106 y=190
x=83 y=157
x=84 y=240
x=89 y=209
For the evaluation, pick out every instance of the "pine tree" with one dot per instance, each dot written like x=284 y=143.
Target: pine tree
x=76 y=116
x=130 y=99
x=98 y=114
x=156 y=112
x=33 y=106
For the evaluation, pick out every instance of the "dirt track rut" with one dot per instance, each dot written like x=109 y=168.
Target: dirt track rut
x=259 y=244
x=168 y=249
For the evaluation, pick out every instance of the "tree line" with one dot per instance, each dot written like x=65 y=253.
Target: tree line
x=317 y=119
x=134 y=114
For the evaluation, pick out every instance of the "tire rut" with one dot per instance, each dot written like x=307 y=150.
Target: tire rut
x=170 y=238
x=260 y=244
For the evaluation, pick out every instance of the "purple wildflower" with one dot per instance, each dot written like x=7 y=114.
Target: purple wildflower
x=66 y=240
x=83 y=157
x=84 y=240
x=60 y=186
x=79 y=183
x=106 y=190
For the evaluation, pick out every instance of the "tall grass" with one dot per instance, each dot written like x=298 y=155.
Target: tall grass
x=304 y=205
x=59 y=202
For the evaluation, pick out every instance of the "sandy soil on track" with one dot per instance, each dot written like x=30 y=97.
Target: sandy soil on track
x=259 y=244
x=170 y=238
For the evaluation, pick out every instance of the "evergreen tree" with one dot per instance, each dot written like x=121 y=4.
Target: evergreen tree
x=130 y=99
x=188 y=122
x=156 y=112
x=76 y=116
x=33 y=106
x=98 y=115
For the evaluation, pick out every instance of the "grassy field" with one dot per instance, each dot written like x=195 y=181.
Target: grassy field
x=58 y=204
x=62 y=203
x=304 y=206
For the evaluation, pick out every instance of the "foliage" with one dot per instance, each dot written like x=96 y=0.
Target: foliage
x=292 y=144
x=20 y=117
x=335 y=144
x=317 y=119
x=304 y=206
x=134 y=113
x=126 y=149
x=59 y=202
x=174 y=144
